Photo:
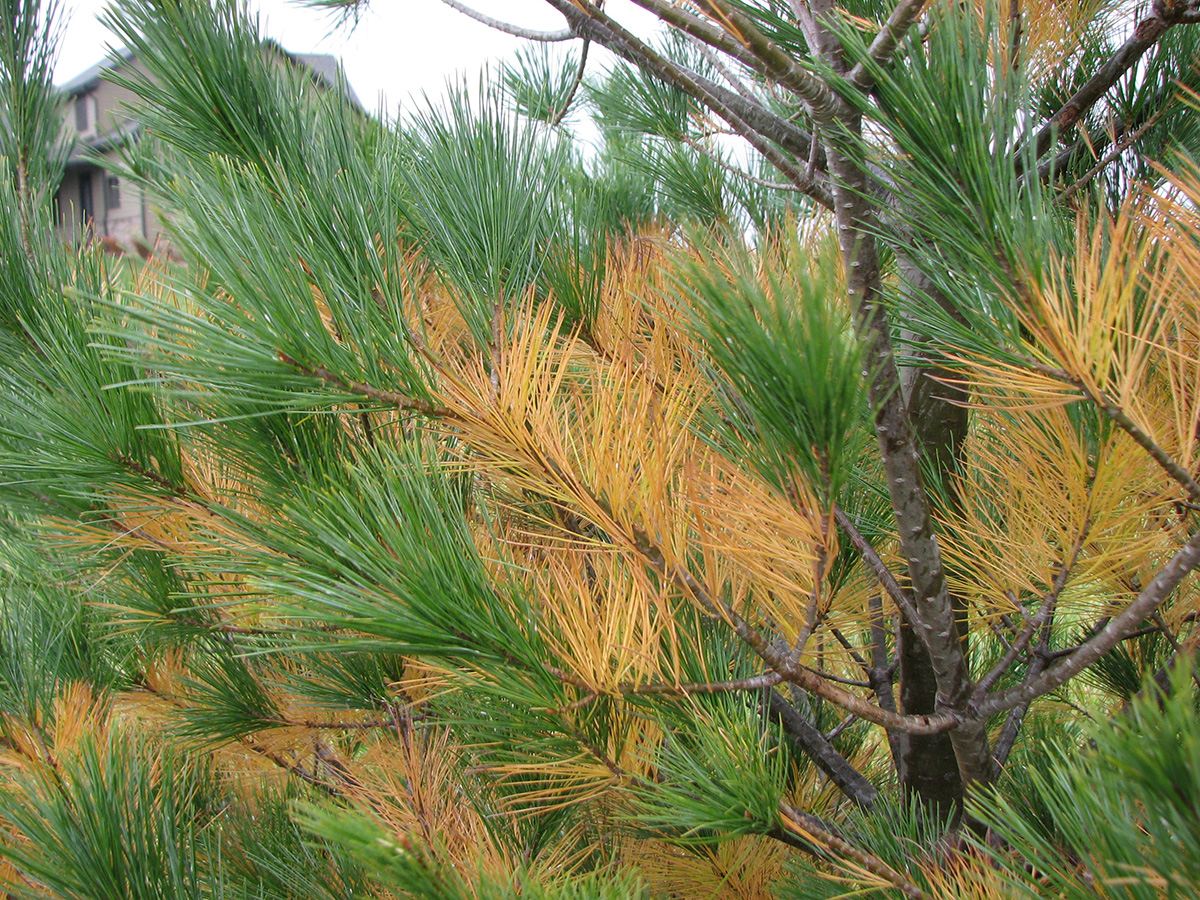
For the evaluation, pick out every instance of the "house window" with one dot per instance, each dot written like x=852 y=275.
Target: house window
x=82 y=120
x=112 y=187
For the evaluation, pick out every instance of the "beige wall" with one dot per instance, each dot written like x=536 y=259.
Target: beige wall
x=124 y=215
x=109 y=104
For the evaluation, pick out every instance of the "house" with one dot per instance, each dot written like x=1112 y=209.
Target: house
x=93 y=199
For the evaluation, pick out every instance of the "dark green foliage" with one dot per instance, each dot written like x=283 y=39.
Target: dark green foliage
x=1121 y=811
x=265 y=855
x=964 y=165
x=626 y=100
x=897 y=833
x=794 y=372
x=50 y=638
x=74 y=421
x=226 y=699
x=721 y=774
x=119 y=819
x=481 y=183
x=429 y=593
x=1121 y=673
x=113 y=821
x=32 y=145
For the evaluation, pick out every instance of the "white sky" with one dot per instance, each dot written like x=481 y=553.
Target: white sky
x=399 y=49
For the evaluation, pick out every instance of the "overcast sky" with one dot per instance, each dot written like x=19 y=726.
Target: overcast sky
x=399 y=49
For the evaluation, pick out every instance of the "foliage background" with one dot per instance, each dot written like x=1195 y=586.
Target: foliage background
x=465 y=516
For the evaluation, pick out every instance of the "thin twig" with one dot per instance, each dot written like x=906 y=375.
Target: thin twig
x=903 y=17
x=1110 y=408
x=528 y=34
x=723 y=70
x=810 y=828
x=557 y=118
x=1145 y=35
x=839 y=679
x=1120 y=627
x=626 y=688
x=1121 y=146
x=1052 y=655
x=882 y=574
x=1043 y=615
x=392 y=398
x=841 y=726
x=740 y=172
x=849 y=648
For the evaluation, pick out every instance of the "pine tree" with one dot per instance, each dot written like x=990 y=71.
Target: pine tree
x=471 y=516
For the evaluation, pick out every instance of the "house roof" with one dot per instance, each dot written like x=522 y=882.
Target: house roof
x=85 y=148
x=88 y=79
x=325 y=69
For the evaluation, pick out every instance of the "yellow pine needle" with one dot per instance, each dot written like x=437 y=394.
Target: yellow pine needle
x=743 y=525
x=851 y=866
x=1174 y=228
x=563 y=782
x=1083 y=313
x=607 y=626
x=413 y=788
x=966 y=877
x=744 y=868
x=1031 y=488
x=78 y=713
x=1000 y=385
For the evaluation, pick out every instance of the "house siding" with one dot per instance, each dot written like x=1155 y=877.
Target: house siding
x=125 y=217
x=130 y=220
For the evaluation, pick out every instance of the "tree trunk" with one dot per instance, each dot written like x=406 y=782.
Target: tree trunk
x=930 y=769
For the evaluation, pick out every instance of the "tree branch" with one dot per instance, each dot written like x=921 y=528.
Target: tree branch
x=630 y=689
x=739 y=172
x=882 y=573
x=652 y=556
x=1120 y=147
x=803 y=180
x=528 y=34
x=816 y=747
x=750 y=46
x=1038 y=621
x=903 y=17
x=881 y=680
x=1007 y=738
x=1083 y=145
x=357 y=388
x=723 y=70
x=900 y=450
x=782 y=663
x=1118 y=629
x=752 y=121
x=1146 y=33
x=810 y=828
x=1110 y=408
x=575 y=83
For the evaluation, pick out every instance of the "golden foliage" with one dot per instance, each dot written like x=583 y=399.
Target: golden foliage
x=1036 y=497
x=746 y=868
x=596 y=486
